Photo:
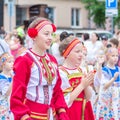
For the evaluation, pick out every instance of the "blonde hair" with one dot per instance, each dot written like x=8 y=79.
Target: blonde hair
x=37 y=21
x=109 y=51
x=65 y=43
x=3 y=58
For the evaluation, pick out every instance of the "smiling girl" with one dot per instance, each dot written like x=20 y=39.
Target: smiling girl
x=36 y=93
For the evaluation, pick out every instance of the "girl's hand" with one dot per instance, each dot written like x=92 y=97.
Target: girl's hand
x=87 y=79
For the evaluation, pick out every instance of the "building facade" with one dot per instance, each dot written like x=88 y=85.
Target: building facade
x=69 y=14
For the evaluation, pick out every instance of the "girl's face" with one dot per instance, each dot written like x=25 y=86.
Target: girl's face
x=105 y=42
x=113 y=57
x=75 y=56
x=8 y=65
x=44 y=38
x=94 y=37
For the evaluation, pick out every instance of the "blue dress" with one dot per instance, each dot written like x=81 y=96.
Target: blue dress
x=4 y=101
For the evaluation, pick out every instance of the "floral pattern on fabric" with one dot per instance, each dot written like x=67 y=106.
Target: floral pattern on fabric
x=108 y=105
x=5 y=82
x=4 y=109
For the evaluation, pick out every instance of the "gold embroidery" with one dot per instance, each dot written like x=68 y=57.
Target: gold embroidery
x=49 y=76
x=79 y=74
x=66 y=91
x=38 y=117
x=83 y=107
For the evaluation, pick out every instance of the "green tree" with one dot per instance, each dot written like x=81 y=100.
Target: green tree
x=97 y=11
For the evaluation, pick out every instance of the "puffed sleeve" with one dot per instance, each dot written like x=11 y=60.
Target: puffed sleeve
x=66 y=87
x=58 y=96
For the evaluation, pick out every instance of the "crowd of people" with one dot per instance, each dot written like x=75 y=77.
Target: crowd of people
x=48 y=76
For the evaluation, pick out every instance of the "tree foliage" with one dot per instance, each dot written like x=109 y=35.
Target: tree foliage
x=97 y=12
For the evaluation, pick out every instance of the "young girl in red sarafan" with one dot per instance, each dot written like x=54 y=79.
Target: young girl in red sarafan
x=36 y=92
x=75 y=85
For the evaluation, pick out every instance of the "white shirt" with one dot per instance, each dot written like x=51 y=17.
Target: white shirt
x=92 y=49
x=55 y=52
x=4 y=47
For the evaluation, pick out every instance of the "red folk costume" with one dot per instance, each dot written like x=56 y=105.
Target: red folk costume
x=36 y=87
x=80 y=109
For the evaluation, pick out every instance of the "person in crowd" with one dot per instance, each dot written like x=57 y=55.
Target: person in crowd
x=101 y=52
x=22 y=49
x=108 y=107
x=54 y=49
x=15 y=44
x=55 y=46
x=75 y=85
x=115 y=32
x=104 y=39
x=4 y=46
x=86 y=68
x=2 y=32
x=36 y=92
x=92 y=45
x=114 y=42
x=6 y=63
x=85 y=37
x=101 y=59
x=118 y=35
x=20 y=31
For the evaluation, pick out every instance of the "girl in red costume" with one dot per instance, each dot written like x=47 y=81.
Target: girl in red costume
x=36 y=92
x=75 y=85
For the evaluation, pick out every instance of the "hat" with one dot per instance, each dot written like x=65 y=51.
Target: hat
x=104 y=37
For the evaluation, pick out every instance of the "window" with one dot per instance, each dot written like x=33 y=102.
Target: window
x=20 y=15
x=75 y=17
x=51 y=14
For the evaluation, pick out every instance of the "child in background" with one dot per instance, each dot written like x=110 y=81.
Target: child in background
x=86 y=68
x=6 y=62
x=75 y=85
x=55 y=46
x=108 y=105
x=84 y=65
